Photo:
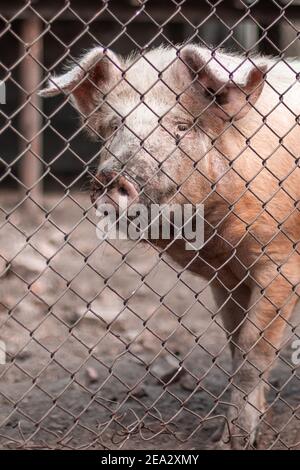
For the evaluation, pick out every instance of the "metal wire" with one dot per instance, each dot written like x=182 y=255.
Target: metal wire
x=113 y=345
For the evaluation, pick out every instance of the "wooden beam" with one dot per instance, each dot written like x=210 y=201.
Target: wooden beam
x=230 y=11
x=30 y=118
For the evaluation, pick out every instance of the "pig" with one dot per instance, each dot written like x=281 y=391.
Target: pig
x=187 y=124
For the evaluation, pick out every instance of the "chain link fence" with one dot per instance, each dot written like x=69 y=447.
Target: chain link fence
x=111 y=344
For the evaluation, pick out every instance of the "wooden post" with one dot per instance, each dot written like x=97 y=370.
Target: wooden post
x=31 y=120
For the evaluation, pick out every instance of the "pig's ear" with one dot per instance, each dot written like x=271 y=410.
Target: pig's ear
x=97 y=70
x=231 y=95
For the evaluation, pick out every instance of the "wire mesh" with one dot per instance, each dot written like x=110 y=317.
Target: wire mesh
x=107 y=344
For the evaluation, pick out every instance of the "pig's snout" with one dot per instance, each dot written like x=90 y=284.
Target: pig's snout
x=110 y=187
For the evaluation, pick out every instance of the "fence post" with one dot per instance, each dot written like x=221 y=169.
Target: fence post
x=31 y=120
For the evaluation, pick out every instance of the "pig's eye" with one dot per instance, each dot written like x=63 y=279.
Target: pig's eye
x=115 y=125
x=182 y=127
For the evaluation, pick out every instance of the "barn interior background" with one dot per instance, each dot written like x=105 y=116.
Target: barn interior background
x=106 y=346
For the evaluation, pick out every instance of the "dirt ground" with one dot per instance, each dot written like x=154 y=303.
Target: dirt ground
x=107 y=347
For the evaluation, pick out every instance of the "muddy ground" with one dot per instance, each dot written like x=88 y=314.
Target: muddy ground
x=108 y=348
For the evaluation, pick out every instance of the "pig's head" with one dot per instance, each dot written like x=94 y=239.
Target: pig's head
x=158 y=116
